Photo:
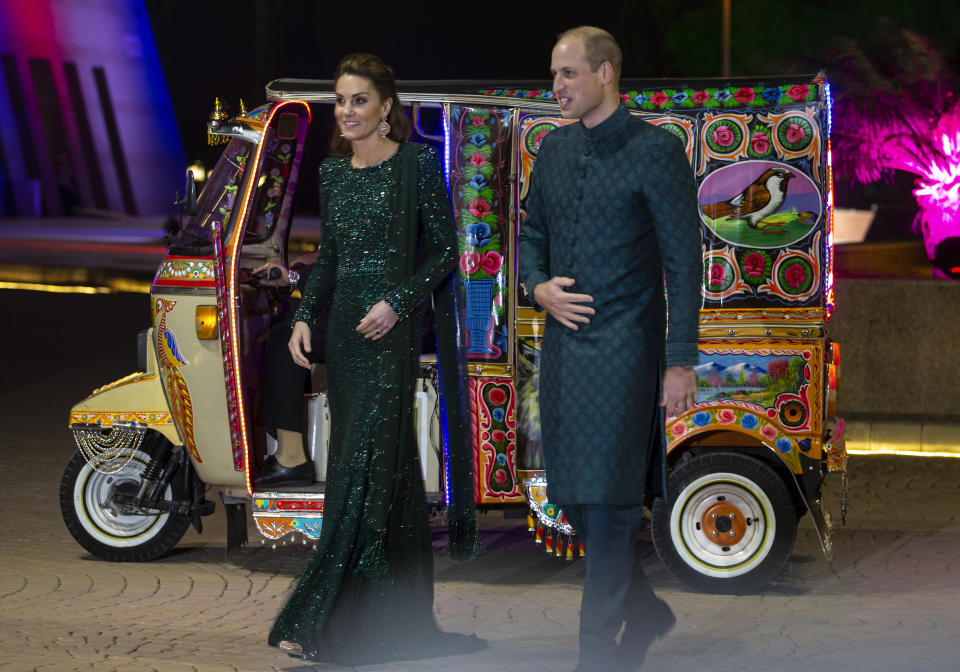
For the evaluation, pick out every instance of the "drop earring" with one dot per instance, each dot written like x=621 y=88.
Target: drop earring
x=383 y=128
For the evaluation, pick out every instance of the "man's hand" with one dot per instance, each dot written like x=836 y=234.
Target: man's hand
x=300 y=343
x=679 y=390
x=564 y=307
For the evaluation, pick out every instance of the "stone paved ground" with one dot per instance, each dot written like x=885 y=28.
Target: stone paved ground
x=888 y=601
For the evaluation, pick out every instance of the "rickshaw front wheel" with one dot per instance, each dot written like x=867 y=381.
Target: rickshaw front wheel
x=112 y=531
x=730 y=524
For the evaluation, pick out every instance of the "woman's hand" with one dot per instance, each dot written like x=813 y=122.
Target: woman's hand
x=378 y=321
x=300 y=343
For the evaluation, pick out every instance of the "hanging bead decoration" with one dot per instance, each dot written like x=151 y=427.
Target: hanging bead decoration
x=109 y=451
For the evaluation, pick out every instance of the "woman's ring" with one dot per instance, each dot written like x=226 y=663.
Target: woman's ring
x=378 y=332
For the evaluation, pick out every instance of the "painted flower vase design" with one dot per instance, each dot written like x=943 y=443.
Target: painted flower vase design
x=479 y=320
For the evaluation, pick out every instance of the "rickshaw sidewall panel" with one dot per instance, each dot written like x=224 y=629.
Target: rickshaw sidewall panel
x=191 y=371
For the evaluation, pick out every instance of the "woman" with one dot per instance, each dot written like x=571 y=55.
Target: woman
x=367 y=594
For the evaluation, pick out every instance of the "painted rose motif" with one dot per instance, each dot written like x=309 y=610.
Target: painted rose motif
x=469 y=262
x=498 y=435
x=701 y=418
x=723 y=136
x=768 y=432
x=722 y=96
x=478 y=139
x=500 y=476
x=659 y=98
x=795 y=133
x=744 y=95
x=640 y=99
x=760 y=142
x=679 y=97
x=725 y=416
x=479 y=208
x=798 y=92
x=497 y=396
x=491 y=262
x=478 y=159
x=718 y=274
x=478 y=234
x=749 y=421
x=699 y=97
x=795 y=276
x=784 y=445
x=477 y=120
x=754 y=264
x=538 y=138
x=478 y=181
x=679 y=429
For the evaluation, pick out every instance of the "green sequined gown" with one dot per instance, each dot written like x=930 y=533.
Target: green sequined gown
x=367 y=593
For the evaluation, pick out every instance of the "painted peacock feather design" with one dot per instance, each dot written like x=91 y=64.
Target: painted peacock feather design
x=171 y=360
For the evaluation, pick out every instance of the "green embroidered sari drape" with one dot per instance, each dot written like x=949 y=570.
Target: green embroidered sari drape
x=367 y=593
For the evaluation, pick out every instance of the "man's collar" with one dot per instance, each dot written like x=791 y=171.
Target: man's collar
x=612 y=124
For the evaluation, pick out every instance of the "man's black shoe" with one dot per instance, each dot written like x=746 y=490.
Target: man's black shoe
x=273 y=475
x=643 y=630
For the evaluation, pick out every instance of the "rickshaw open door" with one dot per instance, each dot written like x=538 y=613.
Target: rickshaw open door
x=136 y=481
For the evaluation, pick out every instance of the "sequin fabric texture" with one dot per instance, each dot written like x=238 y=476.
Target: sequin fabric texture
x=367 y=593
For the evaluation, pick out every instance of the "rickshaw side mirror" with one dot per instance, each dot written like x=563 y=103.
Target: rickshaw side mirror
x=190 y=194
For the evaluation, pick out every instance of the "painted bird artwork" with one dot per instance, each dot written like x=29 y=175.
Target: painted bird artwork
x=761 y=199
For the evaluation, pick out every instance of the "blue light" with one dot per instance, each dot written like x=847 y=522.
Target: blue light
x=826 y=86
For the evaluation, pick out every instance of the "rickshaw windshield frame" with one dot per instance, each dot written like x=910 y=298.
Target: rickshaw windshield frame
x=215 y=202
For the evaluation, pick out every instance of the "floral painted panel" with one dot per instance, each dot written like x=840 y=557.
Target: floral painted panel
x=480 y=188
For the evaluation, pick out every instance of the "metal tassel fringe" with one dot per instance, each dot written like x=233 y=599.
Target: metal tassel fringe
x=109 y=452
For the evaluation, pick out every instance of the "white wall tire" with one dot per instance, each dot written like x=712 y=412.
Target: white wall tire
x=730 y=524
x=109 y=531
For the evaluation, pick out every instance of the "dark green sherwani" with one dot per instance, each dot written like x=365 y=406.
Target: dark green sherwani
x=614 y=207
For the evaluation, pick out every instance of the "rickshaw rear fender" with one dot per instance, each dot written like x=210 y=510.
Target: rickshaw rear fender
x=138 y=397
x=732 y=441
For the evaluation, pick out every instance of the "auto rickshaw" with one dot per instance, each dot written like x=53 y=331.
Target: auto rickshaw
x=744 y=464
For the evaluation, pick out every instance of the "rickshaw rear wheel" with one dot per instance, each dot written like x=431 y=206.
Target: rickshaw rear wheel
x=116 y=532
x=730 y=524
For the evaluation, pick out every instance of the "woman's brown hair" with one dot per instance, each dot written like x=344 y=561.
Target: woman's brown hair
x=380 y=75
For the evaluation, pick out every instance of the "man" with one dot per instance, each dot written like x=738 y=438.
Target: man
x=612 y=209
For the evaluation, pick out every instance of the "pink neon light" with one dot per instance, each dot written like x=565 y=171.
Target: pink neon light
x=234 y=245
x=938 y=189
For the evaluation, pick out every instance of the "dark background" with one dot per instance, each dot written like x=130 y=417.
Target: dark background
x=232 y=48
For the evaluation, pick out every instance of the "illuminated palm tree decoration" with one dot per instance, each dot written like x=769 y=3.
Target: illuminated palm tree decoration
x=896 y=108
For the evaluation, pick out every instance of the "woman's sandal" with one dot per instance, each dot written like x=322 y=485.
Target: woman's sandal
x=292 y=649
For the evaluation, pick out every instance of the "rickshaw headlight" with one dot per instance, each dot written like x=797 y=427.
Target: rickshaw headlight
x=206 y=321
